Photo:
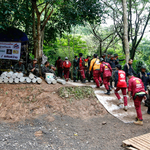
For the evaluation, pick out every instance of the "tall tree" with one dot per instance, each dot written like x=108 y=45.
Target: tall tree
x=125 y=29
x=138 y=18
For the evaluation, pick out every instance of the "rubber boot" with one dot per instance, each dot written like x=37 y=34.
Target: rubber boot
x=108 y=92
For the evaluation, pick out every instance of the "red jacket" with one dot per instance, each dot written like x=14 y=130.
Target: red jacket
x=66 y=64
x=121 y=79
x=135 y=85
x=59 y=63
x=106 y=69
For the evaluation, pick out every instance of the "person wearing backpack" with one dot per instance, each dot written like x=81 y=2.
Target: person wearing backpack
x=106 y=69
x=95 y=68
x=143 y=76
x=81 y=65
x=128 y=67
x=66 y=66
x=120 y=84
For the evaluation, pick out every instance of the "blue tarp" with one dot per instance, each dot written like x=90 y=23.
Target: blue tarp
x=13 y=35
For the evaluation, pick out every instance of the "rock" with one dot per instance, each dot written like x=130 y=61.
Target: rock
x=38 y=133
x=103 y=123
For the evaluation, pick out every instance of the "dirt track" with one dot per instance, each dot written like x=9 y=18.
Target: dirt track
x=59 y=129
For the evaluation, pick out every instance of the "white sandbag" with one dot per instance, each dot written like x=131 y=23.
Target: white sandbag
x=16 y=80
x=9 y=74
x=61 y=81
x=14 y=75
x=22 y=79
x=34 y=80
x=28 y=80
x=20 y=75
x=53 y=81
x=4 y=75
x=5 y=80
x=31 y=75
x=48 y=80
x=1 y=80
x=39 y=80
x=10 y=80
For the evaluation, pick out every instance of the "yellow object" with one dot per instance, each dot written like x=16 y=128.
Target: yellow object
x=95 y=66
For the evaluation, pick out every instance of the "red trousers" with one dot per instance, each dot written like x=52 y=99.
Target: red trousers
x=66 y=73
x=81 y=70
x=137 y=104
x=106 y=82
x=97 y=77
x=124 y=95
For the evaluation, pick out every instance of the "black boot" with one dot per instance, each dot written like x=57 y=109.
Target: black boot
x=74 y=80
x=148 y=111
x=84 y=81
x=108 y=92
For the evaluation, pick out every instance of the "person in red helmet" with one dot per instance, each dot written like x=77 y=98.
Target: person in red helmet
x=66 y=66
x=136 y=87
x=106 y=69
x=120 y=84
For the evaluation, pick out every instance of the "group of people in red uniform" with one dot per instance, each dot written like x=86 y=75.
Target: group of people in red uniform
x=102 y=73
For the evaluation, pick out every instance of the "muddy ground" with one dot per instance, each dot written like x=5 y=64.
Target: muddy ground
x=35 y=117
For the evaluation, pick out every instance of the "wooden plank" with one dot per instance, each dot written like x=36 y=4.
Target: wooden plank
x=137 y=145
x=141 y=142
x=144 y=144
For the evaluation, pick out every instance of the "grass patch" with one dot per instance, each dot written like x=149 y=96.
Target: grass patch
x=76 y=93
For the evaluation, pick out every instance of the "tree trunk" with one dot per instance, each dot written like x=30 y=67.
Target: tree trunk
x=125 y=23
x=100 y=48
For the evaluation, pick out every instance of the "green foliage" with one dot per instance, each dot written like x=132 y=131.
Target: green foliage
x=67 y=46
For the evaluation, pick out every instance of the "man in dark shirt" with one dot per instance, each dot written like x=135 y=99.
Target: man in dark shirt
x=128 y=67
x=143 y=76
x=117 y=59
x=75 y=68
x=112 y=63
x=19 y=67
x=33 y=67
x=108 y=57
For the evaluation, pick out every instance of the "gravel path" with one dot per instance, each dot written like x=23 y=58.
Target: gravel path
x=67 y=133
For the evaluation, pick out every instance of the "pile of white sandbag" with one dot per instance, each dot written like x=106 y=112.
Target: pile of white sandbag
x=11 y=77
x=53 y=81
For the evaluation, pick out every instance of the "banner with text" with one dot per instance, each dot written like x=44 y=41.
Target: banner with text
x=10 y=50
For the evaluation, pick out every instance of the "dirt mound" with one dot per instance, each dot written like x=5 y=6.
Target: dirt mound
x=22 y=101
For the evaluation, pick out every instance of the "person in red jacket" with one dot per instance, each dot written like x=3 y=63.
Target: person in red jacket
x=59 y=65
x=106 y=69
x=81 y=68
x=136 y=87
x=120 y=83
x=66 y=66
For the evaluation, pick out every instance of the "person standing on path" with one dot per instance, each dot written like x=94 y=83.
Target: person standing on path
x=136 y=87
x=66 y=66
x=106 y=69
x=75 y=69
x=112 y=63
x=120 y=84
x=81 y=68
x=59 y=65
x=95 y=68
x=128 y=67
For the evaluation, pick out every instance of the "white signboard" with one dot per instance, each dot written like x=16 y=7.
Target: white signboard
x=10 y=50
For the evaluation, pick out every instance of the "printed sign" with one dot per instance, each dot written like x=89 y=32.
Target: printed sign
x=10 y=50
